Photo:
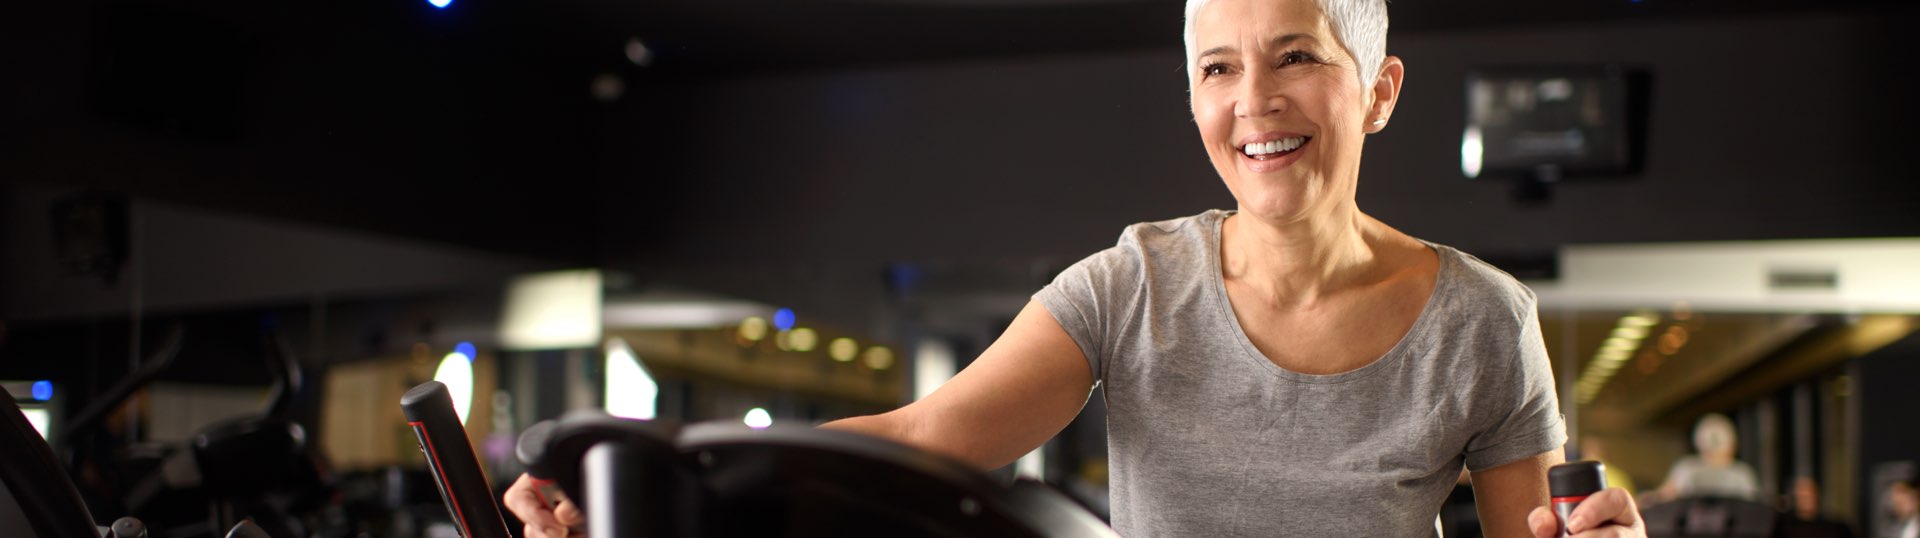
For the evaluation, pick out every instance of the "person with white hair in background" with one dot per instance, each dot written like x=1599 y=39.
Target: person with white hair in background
x=1291 y=367
x=1903 y=500
x=1715 y=471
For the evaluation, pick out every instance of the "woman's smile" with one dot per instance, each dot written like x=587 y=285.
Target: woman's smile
x=1271 y=151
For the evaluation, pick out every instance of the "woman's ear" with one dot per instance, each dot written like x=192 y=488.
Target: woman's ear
x=1386 y=93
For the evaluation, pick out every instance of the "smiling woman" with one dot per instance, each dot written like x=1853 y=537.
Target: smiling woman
x=1292 y=367
x=1282 y=106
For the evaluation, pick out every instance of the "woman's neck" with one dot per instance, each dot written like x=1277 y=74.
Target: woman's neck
x=1296 y=264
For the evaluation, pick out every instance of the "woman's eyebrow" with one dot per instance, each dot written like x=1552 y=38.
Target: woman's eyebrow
x=1278 y=42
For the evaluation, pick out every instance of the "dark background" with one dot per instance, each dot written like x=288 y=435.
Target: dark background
x=884 y=130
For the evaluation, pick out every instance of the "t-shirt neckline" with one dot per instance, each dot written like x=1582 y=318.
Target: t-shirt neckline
x=1253 y=353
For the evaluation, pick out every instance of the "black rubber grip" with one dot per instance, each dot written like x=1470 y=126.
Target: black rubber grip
x=1577 y=479
x=456 y=471
x=531 y=449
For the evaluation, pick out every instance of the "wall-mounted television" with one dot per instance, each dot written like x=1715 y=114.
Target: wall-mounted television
x=1544 y=123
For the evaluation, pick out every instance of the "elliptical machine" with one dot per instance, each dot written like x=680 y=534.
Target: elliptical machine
x=37 y=498
x=248 y=474
x=652 y=479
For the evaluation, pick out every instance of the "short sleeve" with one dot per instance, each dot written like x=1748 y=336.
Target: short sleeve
x=1521 y=409
x=1091 y=298
x=1681 y=475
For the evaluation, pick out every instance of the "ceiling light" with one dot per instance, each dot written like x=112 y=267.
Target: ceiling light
x=843 y=349
x=753 y=328
x=878 y=358
x=803 y=339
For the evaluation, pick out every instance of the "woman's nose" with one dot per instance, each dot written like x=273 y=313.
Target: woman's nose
x=1259 y=96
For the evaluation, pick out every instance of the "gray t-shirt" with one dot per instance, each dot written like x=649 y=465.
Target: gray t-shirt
x=1694 y=477
x=1207 y=437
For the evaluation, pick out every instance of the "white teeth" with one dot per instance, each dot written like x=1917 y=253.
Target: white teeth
x=1276 y=146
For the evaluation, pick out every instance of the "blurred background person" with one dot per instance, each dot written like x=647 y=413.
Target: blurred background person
x=1903 y=499
x=1803 y=517
x=1714 y=472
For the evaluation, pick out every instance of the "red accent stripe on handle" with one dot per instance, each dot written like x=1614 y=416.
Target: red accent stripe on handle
x=1558 y=500
x=540 y=484
x=420 y=431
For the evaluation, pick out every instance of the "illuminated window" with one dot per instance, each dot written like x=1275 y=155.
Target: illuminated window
x=456 y=372
x=39 y=419
x=631 y=391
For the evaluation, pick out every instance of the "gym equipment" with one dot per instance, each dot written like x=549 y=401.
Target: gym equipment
x=255 y=467
x=429 y=410
x=644 y=479
x=251 y=472
x=530 y=449
x=599 y=460
x=36 y=489
x=1571 y=483
x=35 y=479
x=1700 y=517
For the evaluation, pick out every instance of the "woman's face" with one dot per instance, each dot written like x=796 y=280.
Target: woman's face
x=1279 y=106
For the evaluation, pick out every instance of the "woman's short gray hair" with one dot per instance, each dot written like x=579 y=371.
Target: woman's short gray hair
x=1359 y=25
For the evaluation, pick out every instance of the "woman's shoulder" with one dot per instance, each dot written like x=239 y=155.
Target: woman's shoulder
x=1178 y=238
x=1183 y=231
x=1163 y=248
x=1481 y=283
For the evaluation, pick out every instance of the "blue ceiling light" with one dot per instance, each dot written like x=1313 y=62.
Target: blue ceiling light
x=783 y=319
x=43 y=390
x=440 y=4
x=466 y=348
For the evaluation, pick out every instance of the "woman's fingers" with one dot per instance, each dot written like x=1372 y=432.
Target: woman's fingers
x=1610 y=512
x=568 y=514
x=1543 y=523
x=523 y=499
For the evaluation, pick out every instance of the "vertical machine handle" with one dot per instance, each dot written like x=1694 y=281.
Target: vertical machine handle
x=456 y=471
x=1571 y=483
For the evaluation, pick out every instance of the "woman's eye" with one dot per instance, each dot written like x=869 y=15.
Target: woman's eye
x=1215 y=69
x=1295 y=58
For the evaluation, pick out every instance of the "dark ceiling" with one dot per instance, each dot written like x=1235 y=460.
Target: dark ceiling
x=749 y=36
x=381 y=115
x=745 y=36
x=756 y=35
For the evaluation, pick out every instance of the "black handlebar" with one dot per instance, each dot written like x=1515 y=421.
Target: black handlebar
x=456 y=471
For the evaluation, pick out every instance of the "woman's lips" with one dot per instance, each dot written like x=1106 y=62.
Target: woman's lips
x=1273 y=155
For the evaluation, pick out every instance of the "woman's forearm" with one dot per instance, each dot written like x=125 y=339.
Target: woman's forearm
x=889 y=426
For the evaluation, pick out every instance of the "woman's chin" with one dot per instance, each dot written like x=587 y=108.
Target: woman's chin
x=1279 y=212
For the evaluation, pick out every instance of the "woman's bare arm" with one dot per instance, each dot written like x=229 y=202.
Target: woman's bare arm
x=1507 y=495
x=1024 y=389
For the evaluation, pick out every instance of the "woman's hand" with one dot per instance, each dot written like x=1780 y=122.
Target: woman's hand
x=523 y=498
x=1607 y=513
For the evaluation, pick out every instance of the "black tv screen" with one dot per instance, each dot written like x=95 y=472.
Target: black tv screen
x=1547 y=121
